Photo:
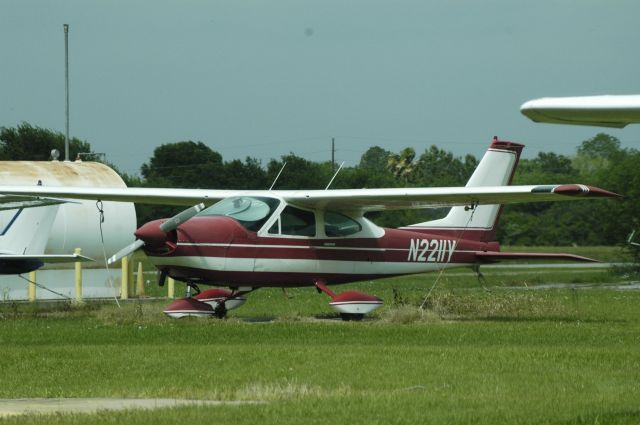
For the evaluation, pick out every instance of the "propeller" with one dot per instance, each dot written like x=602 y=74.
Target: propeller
x=139 y=243
x=166 y=227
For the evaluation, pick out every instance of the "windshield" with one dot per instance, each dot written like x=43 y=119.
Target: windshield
x=251 y=212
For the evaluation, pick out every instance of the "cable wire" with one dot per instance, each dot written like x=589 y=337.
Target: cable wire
x=460 y=233
x=100 y=208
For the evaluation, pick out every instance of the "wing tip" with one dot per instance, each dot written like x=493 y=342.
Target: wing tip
x=584 y=190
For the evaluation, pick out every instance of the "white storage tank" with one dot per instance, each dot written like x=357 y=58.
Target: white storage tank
x=78 y=224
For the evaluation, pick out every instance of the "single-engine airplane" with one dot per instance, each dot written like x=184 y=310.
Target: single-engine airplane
x=246 y=240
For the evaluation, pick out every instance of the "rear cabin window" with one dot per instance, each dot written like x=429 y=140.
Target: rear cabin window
x=295 y=222
x=336 y=225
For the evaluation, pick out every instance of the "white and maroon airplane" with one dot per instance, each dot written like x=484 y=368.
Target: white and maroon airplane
x=246 y=240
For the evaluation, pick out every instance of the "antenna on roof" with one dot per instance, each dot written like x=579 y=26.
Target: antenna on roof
x=276 y=179
x=334 y=176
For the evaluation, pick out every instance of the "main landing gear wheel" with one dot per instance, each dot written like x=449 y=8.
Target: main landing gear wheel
x=352 y=305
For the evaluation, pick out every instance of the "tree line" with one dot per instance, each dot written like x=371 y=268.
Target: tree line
x=599 y=161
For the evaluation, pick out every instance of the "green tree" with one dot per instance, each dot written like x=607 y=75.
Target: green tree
x=375 y=159
x=299 y=173
x=597 y=154
x=28 y=143
x=244 y=175
x=184 y=164
x=437 y=168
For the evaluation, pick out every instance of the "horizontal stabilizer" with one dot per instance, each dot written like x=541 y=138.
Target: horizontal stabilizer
x=489 y=256
x=47 y=258
x=25 y=263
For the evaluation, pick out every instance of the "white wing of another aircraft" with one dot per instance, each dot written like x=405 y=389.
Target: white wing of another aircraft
x=363 y=200
x=604 y=111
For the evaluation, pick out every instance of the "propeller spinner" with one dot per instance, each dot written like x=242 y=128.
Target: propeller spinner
x=166 y=227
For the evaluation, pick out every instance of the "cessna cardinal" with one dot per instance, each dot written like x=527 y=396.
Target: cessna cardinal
x=253 y=239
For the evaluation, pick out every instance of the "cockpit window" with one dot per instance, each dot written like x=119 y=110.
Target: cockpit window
x=336 y=225
x=296 y=222
x=251 y=212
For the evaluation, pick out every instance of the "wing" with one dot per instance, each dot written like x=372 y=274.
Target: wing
x=416 y=198
x=362 y=200
x=604 y=111
x=142 y=195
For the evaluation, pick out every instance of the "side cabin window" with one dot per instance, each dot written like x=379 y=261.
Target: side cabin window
x=295 y=222
x=337 y=225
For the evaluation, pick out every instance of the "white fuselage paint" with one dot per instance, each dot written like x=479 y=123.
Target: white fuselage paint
x=293 y=265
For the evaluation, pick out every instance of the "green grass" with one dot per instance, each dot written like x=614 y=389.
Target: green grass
x=509 y=354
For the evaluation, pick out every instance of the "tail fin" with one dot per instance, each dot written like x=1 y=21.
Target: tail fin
x=26 y=230
x=24 y=234
x=495 y=169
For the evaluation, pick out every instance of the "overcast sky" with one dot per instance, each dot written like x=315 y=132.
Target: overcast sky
x=265 y=78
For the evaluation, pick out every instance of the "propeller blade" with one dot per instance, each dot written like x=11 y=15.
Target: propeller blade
x=178 y=219
x=126 y=251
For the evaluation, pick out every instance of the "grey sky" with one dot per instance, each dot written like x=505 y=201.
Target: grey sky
x=265 y=78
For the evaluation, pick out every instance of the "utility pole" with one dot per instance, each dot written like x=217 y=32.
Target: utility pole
x=333 y=154
x=66 y=90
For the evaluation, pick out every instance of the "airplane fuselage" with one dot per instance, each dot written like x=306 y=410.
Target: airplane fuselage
x=220 y=251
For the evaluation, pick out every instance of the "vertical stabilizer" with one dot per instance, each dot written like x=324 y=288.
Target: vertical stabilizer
x=495 y=169
x=25 y=231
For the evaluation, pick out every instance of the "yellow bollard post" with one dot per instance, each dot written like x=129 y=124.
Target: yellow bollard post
x=78 y=265
x=140 y=281
x=171 y=285
x=124 y=279
x=32 y=286
x=132 y=282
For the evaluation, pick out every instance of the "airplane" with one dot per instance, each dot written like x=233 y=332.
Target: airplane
x=25 y=225
x=245 y=240
x=604 y=111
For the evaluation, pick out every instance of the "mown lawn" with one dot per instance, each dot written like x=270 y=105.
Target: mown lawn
x=506 y=353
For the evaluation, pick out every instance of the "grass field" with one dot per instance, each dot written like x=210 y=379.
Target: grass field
x=503 y=353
